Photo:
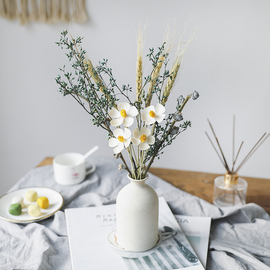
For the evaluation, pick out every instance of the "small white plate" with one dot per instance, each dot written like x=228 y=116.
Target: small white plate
x=130 y=254
x=56 y=201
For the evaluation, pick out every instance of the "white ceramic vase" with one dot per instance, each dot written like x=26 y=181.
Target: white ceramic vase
x=137 y=216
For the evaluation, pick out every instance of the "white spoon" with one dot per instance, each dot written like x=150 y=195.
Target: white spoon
x=90 y=152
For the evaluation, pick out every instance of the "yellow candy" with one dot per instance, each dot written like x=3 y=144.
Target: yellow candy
x=43 y=202
x=34 y=210
x=31 y=196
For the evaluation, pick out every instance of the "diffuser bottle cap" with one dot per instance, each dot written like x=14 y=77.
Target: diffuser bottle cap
x=231 y=179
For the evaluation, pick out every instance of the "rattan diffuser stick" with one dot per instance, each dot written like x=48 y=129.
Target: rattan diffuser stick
x=223 y=156
x=223 y=159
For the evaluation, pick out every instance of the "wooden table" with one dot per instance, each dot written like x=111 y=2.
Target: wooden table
x=201 y=184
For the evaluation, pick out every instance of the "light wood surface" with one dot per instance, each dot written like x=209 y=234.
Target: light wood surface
x=201 y=184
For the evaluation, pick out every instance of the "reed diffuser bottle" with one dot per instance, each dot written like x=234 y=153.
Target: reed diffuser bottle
x=230 y=189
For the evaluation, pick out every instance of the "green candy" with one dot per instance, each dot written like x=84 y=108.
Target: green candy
x=15 y=209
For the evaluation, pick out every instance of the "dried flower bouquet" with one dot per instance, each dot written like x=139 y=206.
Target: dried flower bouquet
x=97 y=91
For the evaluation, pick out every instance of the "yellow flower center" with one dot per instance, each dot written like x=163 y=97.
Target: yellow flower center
x=123 y=113
x=152 y=114
x=143 y=138
x=120 y=138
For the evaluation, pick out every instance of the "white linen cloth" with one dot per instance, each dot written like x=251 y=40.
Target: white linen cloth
x=239 y=238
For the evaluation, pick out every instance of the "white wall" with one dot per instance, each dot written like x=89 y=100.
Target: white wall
x=228 y=64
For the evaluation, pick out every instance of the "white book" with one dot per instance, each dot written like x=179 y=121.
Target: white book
x=197 y=231
x=88 y=231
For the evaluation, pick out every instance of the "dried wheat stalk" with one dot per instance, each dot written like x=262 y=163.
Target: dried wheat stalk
x=171 y=80
x=92 y=72
x=47 y=11
x=154 y=77
x=139 y=68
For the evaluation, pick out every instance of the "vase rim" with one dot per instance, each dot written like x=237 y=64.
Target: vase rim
x=137 y=180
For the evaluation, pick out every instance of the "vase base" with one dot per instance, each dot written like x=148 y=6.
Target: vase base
x=112 y=239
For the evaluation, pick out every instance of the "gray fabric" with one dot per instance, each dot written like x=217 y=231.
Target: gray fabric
x=239 y=239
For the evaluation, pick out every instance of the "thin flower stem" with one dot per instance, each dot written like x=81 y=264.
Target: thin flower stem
x=184 y=103
x=78 y=98
x=135 y=156
x=140 y=164
x=143 y=152
x=131 y=164
x=168 y=132
x=124 y=161
x=153 y=128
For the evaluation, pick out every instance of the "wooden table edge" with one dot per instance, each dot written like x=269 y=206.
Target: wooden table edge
x=201 y=184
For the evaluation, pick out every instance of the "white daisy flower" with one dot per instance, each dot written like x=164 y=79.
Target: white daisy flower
x=142 y=138
x=152 y=114
x=121 y=140
x=123 y=114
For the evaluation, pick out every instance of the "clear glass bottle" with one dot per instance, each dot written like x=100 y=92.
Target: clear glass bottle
x=230 y=190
